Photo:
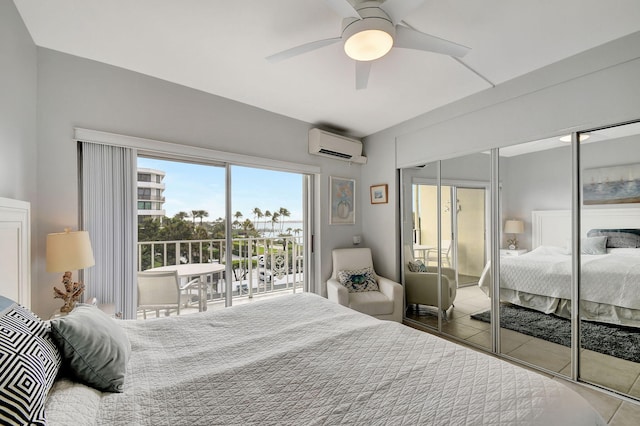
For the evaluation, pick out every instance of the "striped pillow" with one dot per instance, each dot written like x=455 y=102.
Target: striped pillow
x=29 y=363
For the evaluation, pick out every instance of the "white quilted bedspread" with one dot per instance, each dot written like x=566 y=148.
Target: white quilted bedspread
x=612 y=278
x=302 y=360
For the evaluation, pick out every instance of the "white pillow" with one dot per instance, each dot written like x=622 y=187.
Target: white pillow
x=593 y=245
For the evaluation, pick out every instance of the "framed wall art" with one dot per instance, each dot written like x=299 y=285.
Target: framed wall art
x=379 y=193
x=342 y=201
x=611 y=185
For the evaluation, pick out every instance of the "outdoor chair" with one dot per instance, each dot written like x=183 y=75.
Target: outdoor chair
x=162 y=290
x=445 y=252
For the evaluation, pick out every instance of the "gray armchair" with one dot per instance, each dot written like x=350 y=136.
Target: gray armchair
x=421 y=288
x=386 y=304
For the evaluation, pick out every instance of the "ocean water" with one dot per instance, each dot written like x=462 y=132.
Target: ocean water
x=265 y=230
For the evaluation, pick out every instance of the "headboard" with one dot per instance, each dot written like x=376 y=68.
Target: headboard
x=553 y=227
x=15 y=250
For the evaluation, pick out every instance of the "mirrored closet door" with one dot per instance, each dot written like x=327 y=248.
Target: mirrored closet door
x=464 y=246
x=419 y=238
x=535 y=267
x=446 y=246
x=566 y=215
x=610 y=258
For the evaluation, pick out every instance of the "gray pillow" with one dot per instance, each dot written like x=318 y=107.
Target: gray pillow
x=95 y=350
x=618 y=238
x=594 y=245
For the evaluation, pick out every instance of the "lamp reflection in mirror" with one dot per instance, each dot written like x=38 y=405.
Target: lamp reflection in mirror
x=513 y=227
x=68 y=251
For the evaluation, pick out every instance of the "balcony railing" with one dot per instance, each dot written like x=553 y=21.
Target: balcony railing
x=259 y=265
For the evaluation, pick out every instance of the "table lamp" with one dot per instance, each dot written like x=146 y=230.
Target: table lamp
x=68 y=251
x=513 y=227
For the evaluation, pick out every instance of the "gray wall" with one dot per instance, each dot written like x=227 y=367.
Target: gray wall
x=542 y=180
x=18 y=100
x=76 y=92
x=18 y=71
x=594 y=88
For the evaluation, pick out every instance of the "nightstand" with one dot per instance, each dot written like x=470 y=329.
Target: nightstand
x=515 y=252
x=107 y=308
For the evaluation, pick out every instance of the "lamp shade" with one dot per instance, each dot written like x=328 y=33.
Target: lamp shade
x=69 y=251
x=513 y=227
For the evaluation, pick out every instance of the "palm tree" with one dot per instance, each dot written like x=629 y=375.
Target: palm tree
x=199 y=214
x=181 y=215
x=289 y=230
x=238 y=215
x=274 y=219
x=203 y=214
x=247 y=225
x=257 y=215
x=267 y=214
x=284 y=213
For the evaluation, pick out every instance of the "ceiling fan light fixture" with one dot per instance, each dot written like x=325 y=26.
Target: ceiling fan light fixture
x=368 y=39
x=368 y=45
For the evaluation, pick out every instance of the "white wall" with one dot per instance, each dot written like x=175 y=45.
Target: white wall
x=595 y=88
x=76 y=92
x=380 y=222
x=18 y=76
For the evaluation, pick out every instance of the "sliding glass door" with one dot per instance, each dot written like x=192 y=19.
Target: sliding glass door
x=184 y=219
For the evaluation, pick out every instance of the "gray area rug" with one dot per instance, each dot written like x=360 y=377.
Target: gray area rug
x=618 y=341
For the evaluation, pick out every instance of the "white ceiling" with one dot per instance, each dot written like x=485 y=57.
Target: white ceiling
x=219 y=47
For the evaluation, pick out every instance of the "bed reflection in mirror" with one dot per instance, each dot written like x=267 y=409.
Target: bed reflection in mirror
x=535 y=273
x=610 y=258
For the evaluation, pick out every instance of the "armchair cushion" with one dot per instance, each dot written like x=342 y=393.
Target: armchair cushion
x=358 y=280
x=371 y=303
x=417 y=266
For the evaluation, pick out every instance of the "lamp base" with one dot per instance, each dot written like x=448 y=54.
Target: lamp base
x=70 y=295
x=512 y=244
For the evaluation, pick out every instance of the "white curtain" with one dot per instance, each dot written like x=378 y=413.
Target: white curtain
x=109 y=214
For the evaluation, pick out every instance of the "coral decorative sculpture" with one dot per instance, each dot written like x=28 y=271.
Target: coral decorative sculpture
x=70 y=295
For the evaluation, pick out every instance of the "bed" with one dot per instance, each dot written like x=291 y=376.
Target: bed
x=300 y=359
x=610 y=272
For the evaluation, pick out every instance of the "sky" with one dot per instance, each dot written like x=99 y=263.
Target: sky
x=202 y=187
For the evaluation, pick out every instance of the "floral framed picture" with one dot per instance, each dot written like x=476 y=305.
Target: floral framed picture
x=342 y=198
x=379 y=193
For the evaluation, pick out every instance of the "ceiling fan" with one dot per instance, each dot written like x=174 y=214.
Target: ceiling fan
x=370 y=29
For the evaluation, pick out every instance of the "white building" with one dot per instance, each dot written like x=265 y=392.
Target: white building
x=150 y=194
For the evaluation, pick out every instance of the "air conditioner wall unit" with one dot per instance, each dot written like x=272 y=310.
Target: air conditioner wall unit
x=335 y=146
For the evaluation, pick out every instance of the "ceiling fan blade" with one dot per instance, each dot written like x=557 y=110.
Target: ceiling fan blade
x=362 y=74
x=412 y=39
x=398 y=9
x=303 y=48
x=343 y=8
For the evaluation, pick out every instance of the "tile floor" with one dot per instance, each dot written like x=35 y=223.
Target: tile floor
x=610 y=372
